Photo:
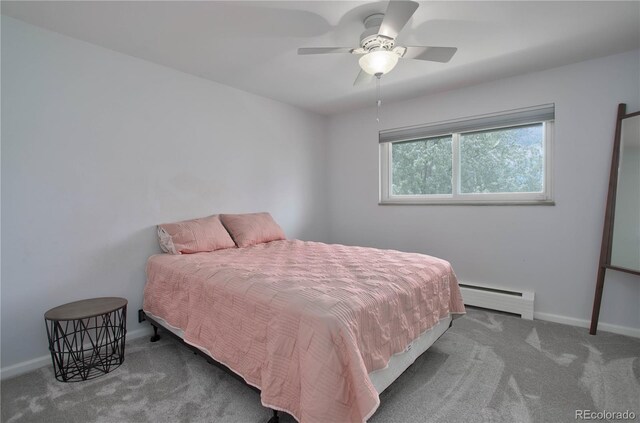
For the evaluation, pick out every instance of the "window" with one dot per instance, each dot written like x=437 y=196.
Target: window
x=502 y=158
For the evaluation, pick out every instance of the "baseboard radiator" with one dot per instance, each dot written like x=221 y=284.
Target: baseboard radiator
x=499 y=299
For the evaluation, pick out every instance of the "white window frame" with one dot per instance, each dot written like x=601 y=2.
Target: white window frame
x=456 y=197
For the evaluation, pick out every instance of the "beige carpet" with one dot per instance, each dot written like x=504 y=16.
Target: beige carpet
x=488 y=367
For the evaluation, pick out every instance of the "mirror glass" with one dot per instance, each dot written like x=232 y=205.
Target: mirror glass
x=625 y=247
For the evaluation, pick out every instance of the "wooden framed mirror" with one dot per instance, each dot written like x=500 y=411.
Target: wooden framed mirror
x=621 y=235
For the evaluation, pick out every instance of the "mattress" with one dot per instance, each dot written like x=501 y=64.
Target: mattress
x=307 y=323
x=381 y=378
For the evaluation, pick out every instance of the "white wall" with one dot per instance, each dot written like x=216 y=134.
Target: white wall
x=98 y=147
x=552 y=250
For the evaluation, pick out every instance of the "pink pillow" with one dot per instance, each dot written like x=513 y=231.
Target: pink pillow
x=253 y=228
x=194 y=236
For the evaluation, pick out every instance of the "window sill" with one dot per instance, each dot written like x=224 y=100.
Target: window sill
x=467 y=203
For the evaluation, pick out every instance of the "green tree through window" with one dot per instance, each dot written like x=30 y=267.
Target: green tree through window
x=422 y=167
x=509 y=160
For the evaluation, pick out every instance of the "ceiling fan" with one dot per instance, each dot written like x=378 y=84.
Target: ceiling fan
x=378 y=47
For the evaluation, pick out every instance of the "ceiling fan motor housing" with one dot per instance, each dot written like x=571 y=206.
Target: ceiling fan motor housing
x=369 y=39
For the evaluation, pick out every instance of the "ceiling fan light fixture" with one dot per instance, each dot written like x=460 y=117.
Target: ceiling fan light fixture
x=378 y=62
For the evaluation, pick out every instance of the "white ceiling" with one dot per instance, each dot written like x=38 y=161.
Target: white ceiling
x=252 y=45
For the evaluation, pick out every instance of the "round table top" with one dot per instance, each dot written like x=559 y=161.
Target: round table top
x=85 y=308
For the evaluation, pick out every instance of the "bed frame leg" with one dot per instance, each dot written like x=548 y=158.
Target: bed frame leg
x=275 y=418
x=155 y=336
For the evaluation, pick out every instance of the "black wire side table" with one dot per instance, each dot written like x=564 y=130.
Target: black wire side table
x=87 y=337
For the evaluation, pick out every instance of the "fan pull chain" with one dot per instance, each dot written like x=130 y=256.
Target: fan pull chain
x=378 y=100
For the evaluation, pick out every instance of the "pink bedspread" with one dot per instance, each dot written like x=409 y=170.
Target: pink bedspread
x=303 y=321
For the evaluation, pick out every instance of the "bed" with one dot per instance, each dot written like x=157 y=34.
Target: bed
x=320 y=329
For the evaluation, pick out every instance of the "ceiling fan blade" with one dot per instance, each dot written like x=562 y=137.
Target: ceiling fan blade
x=396 y=17
x=324 y=50
x=363 y=78
x=432 y=54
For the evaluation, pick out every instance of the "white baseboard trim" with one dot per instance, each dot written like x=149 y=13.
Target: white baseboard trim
x=606 y=327
x=24 y=367
x=35 y=363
